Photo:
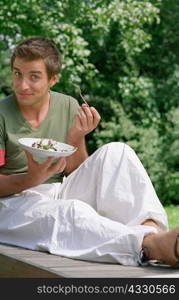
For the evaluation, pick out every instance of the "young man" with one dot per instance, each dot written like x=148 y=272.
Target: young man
x=35 y=111
x=106 y=208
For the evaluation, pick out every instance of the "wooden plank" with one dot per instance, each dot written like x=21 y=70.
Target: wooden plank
x=14 y=263
x=10 y=267
x=9 y=249
x=110 y=271
x=20 y=262
x=53 y=261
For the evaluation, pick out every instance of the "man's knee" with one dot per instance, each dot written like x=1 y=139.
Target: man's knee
x=113 y=147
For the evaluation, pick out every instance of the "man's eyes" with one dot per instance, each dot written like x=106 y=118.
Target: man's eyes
x=17 y=74
x=33 y=77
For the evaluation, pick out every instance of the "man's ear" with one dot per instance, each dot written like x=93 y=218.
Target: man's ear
x=54 y=80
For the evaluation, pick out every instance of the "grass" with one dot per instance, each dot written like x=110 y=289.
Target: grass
x=173 y=215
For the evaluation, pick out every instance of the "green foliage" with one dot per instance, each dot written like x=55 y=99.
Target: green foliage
x=170 y=154
x=173 y=215
x=124 y=56
x=145 y=141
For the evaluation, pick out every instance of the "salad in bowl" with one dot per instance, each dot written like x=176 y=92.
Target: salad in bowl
x=43 y=147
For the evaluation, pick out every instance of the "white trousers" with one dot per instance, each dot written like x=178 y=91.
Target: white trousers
x=95 y=214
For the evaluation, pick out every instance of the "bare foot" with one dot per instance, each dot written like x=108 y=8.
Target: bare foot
x=163 y=246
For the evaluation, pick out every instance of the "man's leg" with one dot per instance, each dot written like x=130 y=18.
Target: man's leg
x=38 y=220
x=150 y=222
x=114 y=182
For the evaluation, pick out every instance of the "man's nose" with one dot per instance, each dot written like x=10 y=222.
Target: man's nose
x=24 y=84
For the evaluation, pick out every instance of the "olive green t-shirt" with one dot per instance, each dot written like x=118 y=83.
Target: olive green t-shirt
x=13 y=126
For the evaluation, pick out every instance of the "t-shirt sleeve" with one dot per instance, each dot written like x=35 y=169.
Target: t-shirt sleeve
x=73 y=110
x=2 y=157
x=2 y=145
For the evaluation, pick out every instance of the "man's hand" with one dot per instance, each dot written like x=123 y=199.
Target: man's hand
x=85 y=122
x=39 y=172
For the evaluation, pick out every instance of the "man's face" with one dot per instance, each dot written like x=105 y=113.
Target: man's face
x=30 y=81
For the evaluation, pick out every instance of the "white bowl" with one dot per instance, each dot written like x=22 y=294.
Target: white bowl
x=62 y=148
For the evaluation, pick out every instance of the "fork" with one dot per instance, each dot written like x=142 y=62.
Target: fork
x=79 y=90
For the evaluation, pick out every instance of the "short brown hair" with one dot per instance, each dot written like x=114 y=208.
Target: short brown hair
x=39 y=47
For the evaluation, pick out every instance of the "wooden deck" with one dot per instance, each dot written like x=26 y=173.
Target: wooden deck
x=22 y=263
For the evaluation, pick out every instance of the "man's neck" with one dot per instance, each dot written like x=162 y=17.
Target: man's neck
x=35 y=114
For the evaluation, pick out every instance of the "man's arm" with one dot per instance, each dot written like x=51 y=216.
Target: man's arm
x=11 y=184
x=37 y=174
x=74 y=160
x=85 y=122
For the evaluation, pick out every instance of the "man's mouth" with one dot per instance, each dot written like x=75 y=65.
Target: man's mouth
x=25 y=94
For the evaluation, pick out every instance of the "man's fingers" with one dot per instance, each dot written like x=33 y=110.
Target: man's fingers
x=83 y=118
x=59 y=166
x=29 y=155
x=48 y=162
x=92 y=114
x=89 y=115
x=96 y=116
